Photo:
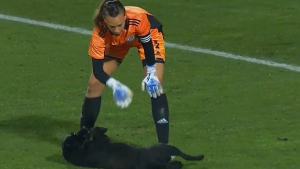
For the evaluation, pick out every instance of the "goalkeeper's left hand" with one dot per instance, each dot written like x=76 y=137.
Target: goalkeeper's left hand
x=151 y=83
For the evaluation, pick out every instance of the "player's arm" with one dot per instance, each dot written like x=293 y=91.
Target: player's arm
x=101 y=75
x=143 y=32
x=150 y=82
x=148 y=49
x=96 y=51
x=98 y=71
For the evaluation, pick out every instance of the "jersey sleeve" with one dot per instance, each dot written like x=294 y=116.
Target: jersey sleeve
x=143 y=32
x=96 y=46
x=143 y=28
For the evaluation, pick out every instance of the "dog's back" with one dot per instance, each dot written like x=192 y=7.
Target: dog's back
x=120 y=155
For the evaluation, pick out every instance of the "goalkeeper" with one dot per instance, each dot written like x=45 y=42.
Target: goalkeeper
x=117 y=29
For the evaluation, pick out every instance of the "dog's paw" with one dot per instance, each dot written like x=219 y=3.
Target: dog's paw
x=83 y=132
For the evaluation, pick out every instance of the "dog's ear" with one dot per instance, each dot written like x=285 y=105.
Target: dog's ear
x=98 y=132
x=103 y=129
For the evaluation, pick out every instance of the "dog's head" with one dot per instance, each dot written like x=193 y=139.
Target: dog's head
x=73 y=141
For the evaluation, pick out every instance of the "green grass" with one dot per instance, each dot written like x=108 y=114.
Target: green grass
x=231 y=111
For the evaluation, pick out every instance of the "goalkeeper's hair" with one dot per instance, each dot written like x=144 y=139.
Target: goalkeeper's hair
x=110 y=8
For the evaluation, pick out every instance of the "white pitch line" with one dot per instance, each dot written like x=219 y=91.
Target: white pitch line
x=168 y=44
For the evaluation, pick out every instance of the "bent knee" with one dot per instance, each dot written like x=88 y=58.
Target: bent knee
x=95 y=88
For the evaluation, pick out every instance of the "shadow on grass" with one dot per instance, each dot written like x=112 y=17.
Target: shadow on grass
x=59 y=159
x=41 y=128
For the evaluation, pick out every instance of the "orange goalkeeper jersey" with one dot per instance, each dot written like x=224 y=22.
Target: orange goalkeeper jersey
x=138 y=24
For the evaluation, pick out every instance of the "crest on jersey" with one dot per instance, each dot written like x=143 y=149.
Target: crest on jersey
x=130 y=38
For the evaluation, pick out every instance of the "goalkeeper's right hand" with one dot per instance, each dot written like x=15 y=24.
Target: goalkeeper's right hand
x=121 y=93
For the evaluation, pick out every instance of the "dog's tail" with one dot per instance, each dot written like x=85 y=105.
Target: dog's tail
x=174 y=151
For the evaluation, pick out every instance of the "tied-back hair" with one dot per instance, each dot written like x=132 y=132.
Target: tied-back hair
x=110 y=8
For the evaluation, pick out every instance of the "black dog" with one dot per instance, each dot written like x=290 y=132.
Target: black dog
x=94 y=149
